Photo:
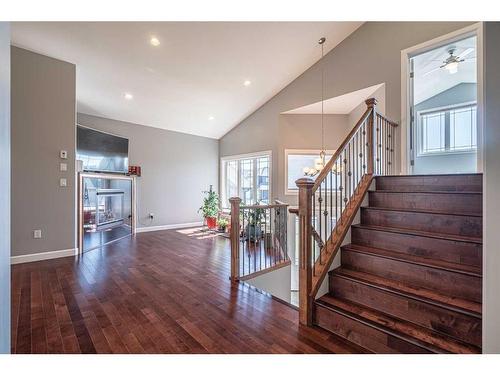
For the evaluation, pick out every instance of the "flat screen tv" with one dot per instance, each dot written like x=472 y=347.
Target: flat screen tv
x=101 y=152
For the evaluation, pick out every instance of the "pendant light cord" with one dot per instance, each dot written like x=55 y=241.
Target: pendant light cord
x=322 y=97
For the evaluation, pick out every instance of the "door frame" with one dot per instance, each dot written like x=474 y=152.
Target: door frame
x=472 y=30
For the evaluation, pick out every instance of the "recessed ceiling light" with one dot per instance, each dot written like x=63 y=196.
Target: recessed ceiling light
x=128 y=96
x=211 y=118
x=247 y=83
x=154 y=41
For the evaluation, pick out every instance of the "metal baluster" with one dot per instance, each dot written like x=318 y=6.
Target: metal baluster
x=331 y=199
x=349 y=173
x=336 y=191
x=365 y=148
x=278 y=213
x=242 y=239
x=342 y=182
x=313 y=223
x=272 y=223
x=265 y=237
x=320 y=201
x=324 y=213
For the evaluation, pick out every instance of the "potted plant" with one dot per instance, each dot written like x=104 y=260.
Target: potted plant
x=253 y=231
x=210 y=208
x=222 y=224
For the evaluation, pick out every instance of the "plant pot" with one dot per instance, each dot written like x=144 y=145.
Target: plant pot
x=253 y=232
x=211 y=222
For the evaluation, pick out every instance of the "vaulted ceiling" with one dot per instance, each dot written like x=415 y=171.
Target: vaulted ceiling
x=200 y=78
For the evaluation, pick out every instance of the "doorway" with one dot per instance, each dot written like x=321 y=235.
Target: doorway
x=443 y=126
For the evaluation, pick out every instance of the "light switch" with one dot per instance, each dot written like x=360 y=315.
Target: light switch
x=63 y=167
x=63 y=154
x=62 y=182
x=37 y=233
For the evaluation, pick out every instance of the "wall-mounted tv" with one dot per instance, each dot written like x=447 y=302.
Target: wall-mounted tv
x=100 y=151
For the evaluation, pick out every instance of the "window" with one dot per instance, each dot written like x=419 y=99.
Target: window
x=296 y=161
x=247 y=177
x=448 y=130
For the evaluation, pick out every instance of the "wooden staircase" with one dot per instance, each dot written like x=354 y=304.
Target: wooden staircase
x=410 y=281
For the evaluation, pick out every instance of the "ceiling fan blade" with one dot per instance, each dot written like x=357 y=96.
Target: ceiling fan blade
x=431 y=71
x=465 y=53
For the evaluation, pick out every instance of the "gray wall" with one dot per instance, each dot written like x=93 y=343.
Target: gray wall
x=4 y=187
x=303 y=131
x=176 y=168
x=491 y=197
x=448 y=163
x=43 y=123
x=369 y=56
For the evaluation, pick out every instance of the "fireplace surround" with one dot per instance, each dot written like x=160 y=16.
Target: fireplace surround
x=106 y=209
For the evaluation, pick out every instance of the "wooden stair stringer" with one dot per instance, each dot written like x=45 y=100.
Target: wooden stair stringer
x=334 y=242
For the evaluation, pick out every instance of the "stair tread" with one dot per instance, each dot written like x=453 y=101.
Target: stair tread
x=410 y=332
x=434 y=263
x=421 y=211
x=426 y=295
x=427 y=192
x=414 y=232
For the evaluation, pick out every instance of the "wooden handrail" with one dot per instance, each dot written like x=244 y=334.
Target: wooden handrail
x=339 y=150
x=334 y=198
x=264 y=206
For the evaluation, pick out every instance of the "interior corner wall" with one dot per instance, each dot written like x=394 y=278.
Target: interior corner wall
x=303 y=131
x=491 y=183
x=4 y=187
x=369 y=56
x=176 y=169
x=43 y=115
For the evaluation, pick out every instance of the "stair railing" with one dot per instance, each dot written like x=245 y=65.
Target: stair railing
x=328 y=204
x=258 y=238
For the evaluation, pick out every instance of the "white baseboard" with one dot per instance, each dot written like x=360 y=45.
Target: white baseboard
x=43 y=256
x=169 y=226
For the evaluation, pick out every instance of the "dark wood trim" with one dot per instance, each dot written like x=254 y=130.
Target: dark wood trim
x=334 y=243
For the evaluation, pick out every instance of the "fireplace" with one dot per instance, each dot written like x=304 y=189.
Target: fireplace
x=106 y=211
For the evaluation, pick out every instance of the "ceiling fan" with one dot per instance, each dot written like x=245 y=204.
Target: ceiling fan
x=452 y=61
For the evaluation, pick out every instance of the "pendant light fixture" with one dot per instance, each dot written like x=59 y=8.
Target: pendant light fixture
x=320 y=162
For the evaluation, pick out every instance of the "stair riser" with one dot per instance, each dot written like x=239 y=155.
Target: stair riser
x=363 y=335
x=432 y=248
x=472 y=182
x=443 y=281
x=470 y=204
x=437 y=223
x=442 y=320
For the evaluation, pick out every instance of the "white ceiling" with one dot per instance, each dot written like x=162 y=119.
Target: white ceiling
x=430 y=80
x=193 y=81
x=339 y=105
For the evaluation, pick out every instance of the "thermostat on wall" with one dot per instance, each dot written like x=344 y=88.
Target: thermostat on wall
x=63 y=154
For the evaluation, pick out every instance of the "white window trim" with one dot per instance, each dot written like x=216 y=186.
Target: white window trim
x=421 y=154
x=225 y=159
x=293 y=151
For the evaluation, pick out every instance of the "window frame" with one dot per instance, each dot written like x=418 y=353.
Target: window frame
x=293 y=151
x=448 y=108
x=224 y=202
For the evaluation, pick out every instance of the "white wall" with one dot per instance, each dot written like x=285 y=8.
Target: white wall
x=276 y=283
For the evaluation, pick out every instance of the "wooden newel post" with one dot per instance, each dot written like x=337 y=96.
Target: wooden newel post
x=305 y=186
x=235 y=238
x=371 y=103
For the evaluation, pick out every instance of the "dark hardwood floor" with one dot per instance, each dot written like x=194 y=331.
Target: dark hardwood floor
x=157 y=292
